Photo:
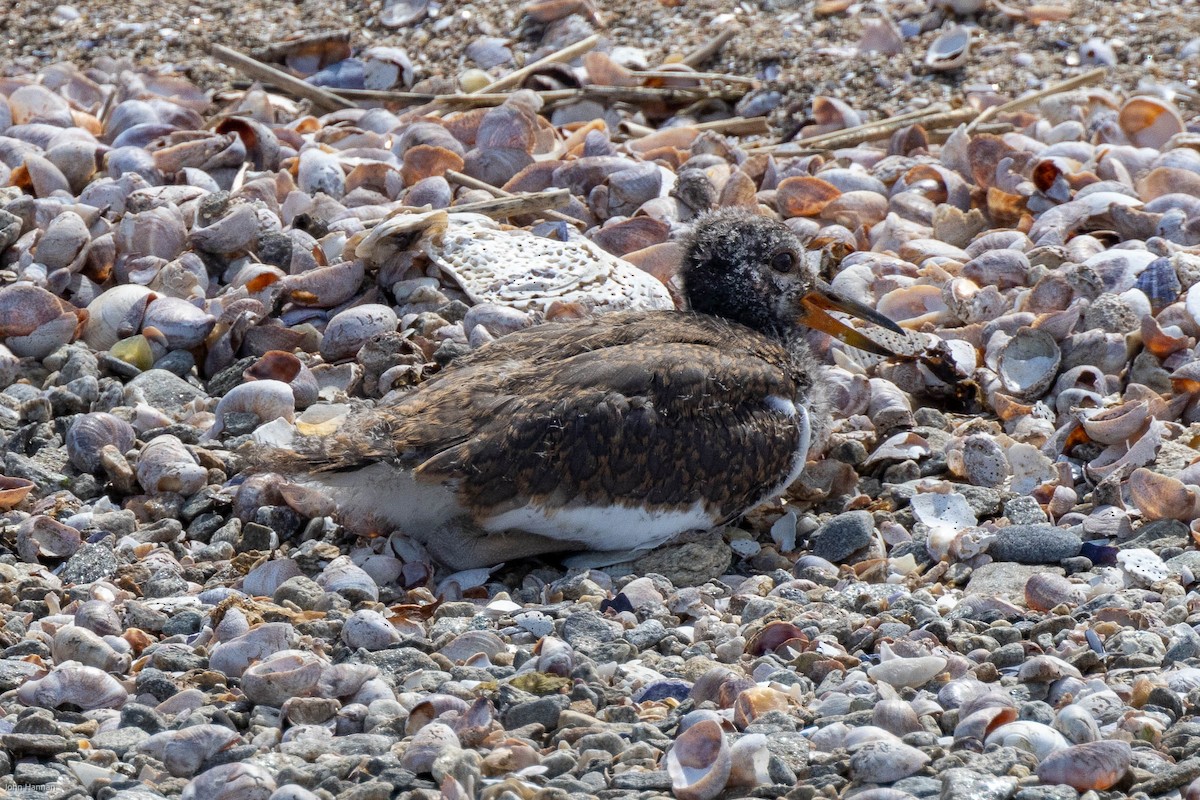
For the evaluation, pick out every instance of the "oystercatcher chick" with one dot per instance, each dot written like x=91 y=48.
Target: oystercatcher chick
x=612 y=433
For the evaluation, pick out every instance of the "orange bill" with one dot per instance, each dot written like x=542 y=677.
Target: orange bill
x=817 y=304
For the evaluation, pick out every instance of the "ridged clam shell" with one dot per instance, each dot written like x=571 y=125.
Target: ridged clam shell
x=183 y=751
x=885 y=761
x=87 y=687
x=165 y=465
x=267 y=399
x=341 y=575
x=285 y=674
x=1091 y=766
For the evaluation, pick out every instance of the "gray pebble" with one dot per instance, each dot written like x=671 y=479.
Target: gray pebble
x=843 y=536
x=1034 y=544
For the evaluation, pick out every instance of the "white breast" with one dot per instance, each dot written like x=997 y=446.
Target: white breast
x=605 y=527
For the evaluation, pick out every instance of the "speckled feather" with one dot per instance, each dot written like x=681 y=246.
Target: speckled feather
x=620 y=408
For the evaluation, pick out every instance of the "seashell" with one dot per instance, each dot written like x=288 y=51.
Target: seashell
x=184 y=751
x=40 y=536
x=885 y=761
x=98 y=617
x=756 y=701
x=1033 y=737
x=429 y=161
x=387 y=68
x=949 y=50
x=268 y=400
x=629 y=188
x=749 y=760
x=1142 y=566
x=1029 y=363
x=467 y=645
x=1159 y=496
x=88 y=688
x=260 y=142
x=34 y=323
x=319 y=170
x=402 y=13
x=73 y=643
x=1117 y=424
x=64 y=244
x=1090 y=766
x=13 y=491
x=896 y=717
x=430 y=709
x=282 y=675
x=182 y=324
x=1045 y=669
x=1149 y=121
x=165 y=465
x=369 y=630
x=116 y=314
x=40 y=177
x=237 y=781
x=231 y=657
x=431 y=746
x=1076 y=724
x=36 y=103
x=805 y=196
x=910 y=672
x=1047 y=590
x=266 y=578
x=699 y=762
x=984 y=461
x=349 y=330
x=233 y=231
x=979 y=724
x=341 y=575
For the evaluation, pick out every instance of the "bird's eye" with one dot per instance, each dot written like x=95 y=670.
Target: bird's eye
x=783 y=261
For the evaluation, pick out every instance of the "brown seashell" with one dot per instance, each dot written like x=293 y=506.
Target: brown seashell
x=1149 y=121
x=1047 y=590
x=679 y=137
x=1117 y=424
x=423 y=161
x=756 y=701
x=804 y=196
x=775 y=635
x=546 y=11
x=507 y=127
x=660 y=260
x=1160 y=496
x=13 y=491
x=855 y=209
x=632 y=234
x=978 y=724
x=603 y=71
x=699 y=762
x=1091 y=766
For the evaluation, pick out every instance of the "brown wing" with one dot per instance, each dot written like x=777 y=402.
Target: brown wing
x=656 y=423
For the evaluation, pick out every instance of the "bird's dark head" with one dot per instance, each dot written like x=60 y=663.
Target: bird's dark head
x=753 y=270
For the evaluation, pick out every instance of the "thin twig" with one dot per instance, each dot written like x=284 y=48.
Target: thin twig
x=666 y=74
x=321 y=99
x=936 y=116
x=629 y=94
x=565 y=54
x=1086 y=79
x=475 y=183
x=514 y=205
x=710 y=48
x=737 y=126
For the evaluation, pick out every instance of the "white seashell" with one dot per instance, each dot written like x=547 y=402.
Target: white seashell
x=885 y=761
x=237 y=781
x=73 y=643
x=984 y=462
x=350 y=329
x=749 y=759
x=184 y=325
x=184 y=751
x=268 y=400
x=434 y=743
x=949 y=50
x=910 y=672
x=1046 y=669
x=342 y=576
x=72 y=683
x=231 y=657
x=288 y=673
x=1076 y=724
x=1142 y=566
x=699 y=762
x=1033 y=737
x=65 y=243
x=165 y=465
x=369 y=630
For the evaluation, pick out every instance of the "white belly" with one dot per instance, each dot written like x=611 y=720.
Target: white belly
x=604 y=527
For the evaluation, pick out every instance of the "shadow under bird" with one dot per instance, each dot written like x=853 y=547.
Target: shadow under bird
x=613 y=433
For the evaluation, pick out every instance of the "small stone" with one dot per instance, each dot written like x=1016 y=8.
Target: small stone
x=544 y=711
x=958 y=783
x=688 y=563
x=120 y=740
x=301 y=590
x=843 y=536
x=1034 y=544
x=90 y=563
x=165 y=391
x=1024 y=510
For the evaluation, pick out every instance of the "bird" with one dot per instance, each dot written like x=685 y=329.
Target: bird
x=612 y=433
